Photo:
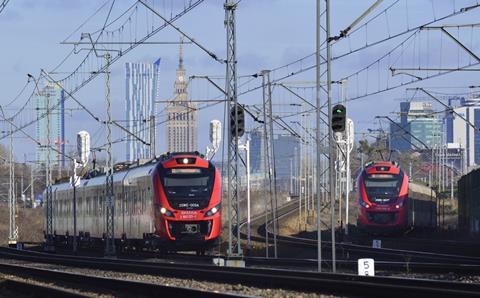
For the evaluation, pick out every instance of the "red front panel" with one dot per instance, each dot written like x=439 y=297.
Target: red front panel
x=387 y=210
x=178 y=224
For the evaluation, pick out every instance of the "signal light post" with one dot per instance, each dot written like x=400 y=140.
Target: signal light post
x=339 y=118
x=237 y=121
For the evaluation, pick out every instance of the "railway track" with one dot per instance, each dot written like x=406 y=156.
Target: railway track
x=339 y=284
x=419 y=240
x=112 y=286
x=23 y=288
x=386 y=259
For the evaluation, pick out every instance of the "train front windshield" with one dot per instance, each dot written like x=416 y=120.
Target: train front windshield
x=188 y=183
x=382 y=185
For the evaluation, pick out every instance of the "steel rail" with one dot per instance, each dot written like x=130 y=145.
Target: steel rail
x=95 y=283
x=395 y=259
x=35 y=290
x=344 y=284
x=451 y=258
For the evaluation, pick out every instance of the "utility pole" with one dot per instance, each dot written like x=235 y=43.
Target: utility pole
x=246 y=147
x=330 y=135
x=312 y=175
x=233 y=196
x=110 y=196
x=22 y=195
x=83 y=152
x=451 y=181
x=12 y=204
x=32 y=180
x=272 y=167
x=247 y=152
x=50 y=241
x=291 y=177
x=307 y=172
x=300 y=176
x=268 y=149
x=153 y=135
x=350 y=136
x=74 y=186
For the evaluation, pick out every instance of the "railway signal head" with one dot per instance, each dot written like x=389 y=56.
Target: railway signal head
x=237 y=124
x=339 y=117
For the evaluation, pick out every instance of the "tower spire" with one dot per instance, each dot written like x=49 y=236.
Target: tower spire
x=180 y=58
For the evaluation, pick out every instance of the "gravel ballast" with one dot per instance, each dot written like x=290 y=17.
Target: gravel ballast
x=237 y=289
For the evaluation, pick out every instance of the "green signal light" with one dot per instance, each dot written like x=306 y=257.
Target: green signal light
x=338 y=111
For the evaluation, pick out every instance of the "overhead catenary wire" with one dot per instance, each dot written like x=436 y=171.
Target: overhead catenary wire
x=103 y=67
x=464 y=9
x=5 y=118
x=308 y=56
x=87 y=19
x=360 y=48
x=3 y=5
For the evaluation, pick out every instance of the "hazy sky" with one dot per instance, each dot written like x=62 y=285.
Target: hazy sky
x=271 y=33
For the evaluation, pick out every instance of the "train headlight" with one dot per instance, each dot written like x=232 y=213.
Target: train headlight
x=213 y=211
x=185 y=160
x=364 y=204
x=166 y=212
x=400 y=204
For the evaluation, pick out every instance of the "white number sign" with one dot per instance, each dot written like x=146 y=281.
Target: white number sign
x=366 y=267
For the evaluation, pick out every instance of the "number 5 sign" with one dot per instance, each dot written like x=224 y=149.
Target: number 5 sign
x=366 y=267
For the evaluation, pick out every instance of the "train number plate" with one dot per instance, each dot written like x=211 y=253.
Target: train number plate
x=188 y=214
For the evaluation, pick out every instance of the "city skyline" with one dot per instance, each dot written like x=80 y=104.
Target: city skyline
x=140 y=94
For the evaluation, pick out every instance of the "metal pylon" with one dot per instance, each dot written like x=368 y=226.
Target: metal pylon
x=233 y=196
x=49 y=245
x=269 y=157
x=12 y=206
x=109 y=194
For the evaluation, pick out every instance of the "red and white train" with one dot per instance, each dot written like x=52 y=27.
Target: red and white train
x=388 y=202
x=171 y=203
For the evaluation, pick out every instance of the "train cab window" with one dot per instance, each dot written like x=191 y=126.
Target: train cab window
x=384 y=185
x=187 y=183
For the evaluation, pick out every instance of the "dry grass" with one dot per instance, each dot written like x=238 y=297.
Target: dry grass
x=29 y=222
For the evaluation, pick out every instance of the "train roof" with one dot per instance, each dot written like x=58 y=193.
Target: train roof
x=128 y=172
x=379 y=167
x=124 y=175
x=382 y=163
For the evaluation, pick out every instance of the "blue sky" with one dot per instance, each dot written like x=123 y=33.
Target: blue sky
x=270 y=33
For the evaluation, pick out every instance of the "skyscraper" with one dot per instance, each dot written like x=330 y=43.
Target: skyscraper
x=417 y=122
x=256 y=151
x=51 y=124
x=141 y=93
x=181 y=114
x=460 y=132
x=285 y=148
